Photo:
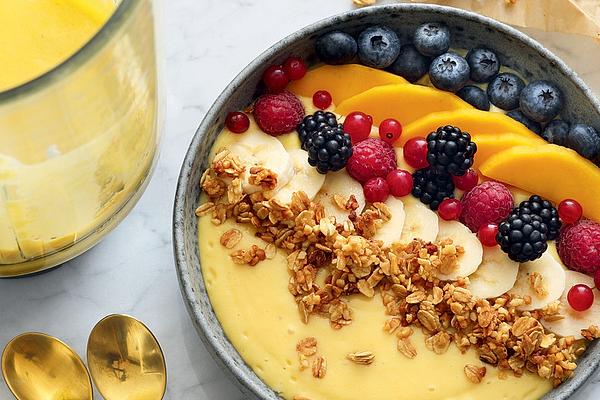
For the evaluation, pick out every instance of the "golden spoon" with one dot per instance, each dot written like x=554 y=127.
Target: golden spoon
x=125 y=360
x=36 y=366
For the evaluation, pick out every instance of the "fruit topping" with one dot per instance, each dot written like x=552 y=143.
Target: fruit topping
x=432 y=186
x=579 y=246
x=451 y=150
x=471 y=256
x=580 y=297
x=295 y=68
x=378 y=46
x=278 y=113
x=542 y=207
x=449 y=72
x=336 y=48
x=340 y=185
x=371 y=158
x=400 y=182
x=504 y=91
x=556 y=132
x=518 y=115
x=475 y=96
x=523 y=236
x=358 y=125
x=490 y=145
x=569 y=211
x=597 y=279
x=488 y=203
x=484 y=64
x=415 y=153
x=450 y=209
x=495 y=276
x=237 y=122
x=329 y=149
x=432 y=39
x=322 y=99
x=390 y=130
x=275 y=78
x=541 y=101
x=466 y=182
x=410 y=64
x=306 y=179
x=487 y=234
x=585 y=140
x=314 y=123
x=391 y=231
x=376 y=190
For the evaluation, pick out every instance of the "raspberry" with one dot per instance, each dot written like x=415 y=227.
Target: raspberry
x=579 y=246
x=371 y=158
x=488 y=203
x=278 y=113
x=376 y=190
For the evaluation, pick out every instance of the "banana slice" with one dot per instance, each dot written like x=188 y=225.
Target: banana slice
x=420 y=222
x=391 y=231
x=306 y=178
x=341 y=184
x=552 y=285
x=495 y=276
x=256 y=148
x=471 y=259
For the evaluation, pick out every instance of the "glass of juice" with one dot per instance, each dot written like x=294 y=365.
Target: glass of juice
x=80 y=121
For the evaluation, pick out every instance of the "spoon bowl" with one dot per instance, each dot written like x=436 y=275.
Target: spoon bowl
x=36 y=366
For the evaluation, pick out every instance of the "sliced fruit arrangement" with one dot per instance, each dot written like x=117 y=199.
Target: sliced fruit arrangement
x=336 y=192
x=471 y=257
x=495 y=275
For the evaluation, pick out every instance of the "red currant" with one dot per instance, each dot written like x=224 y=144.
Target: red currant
x=466 y=182
x=450 y=209
x=237 y=122
x=390 y=130
x=275 y=78
x=570 y=211
x=295 y=68
x=487 y=234
x=580 y=297
x=376 y=190
x=358 y=126
x=597 y=279
x=415 y=153
x=322 y=99
x=400 y=182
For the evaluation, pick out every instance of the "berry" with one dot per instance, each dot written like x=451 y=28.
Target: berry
x=541 y=101
x=570 y=211
x=533 y=126
x=400 y=182
x=484 y=64
x=322 y=99
x=329 y=149
x=275 y=78
x=415 y=153
x=450 y=209
x=390 y=130
x=556 y=132
x=410 y=64
x=376 y=190
x=314 y=123
x=378 y=46
x=451 y=150
x=539 y=206
x=432 y=186
x=580 y=297
x=585 y=140
x=358 y=125
x=237 y=122
x=278 y=113
x=487 y=234
x=475 y=96
x=371 y=158
x=295 y=68
x=490 y=202
x=579 y=246
x=432 y=39
x=523 y=236
x=597 y=279
x=504 y=91
x=466 y=182
x=449 y=72
x=336 y=48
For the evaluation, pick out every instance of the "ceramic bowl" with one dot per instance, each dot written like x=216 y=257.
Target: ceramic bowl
x=515 y=49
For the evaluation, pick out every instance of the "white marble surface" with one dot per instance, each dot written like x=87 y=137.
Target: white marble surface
x=206 y=43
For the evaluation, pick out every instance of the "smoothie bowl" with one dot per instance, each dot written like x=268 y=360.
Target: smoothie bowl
x=397 y=202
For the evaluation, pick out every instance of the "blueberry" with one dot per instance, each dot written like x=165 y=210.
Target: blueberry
x=378 y=46
x=504 y=91
x=410 y=64
x=533 y=126
x=449 y=72
x=541 y=101
x=585 y=140
x=475 y=97
x=432 y=39
x=484 y=64
x=336 y=48
x=556 y=132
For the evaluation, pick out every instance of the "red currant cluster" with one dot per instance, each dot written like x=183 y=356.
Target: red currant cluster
x=277 y=77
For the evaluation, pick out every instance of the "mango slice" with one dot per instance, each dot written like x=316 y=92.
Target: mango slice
x=342 y=81
x=551 y=171
x=406 y=103
x=476 y=122
x=489 y=145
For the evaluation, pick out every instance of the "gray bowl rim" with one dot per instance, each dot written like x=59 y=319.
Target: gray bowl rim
x=213 y=340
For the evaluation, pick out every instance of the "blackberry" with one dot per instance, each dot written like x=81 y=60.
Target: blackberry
x=542 y=207
x=314 y=123
x=523 y=236
x=431 y=186
x=450 y=150
x=329 y=149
